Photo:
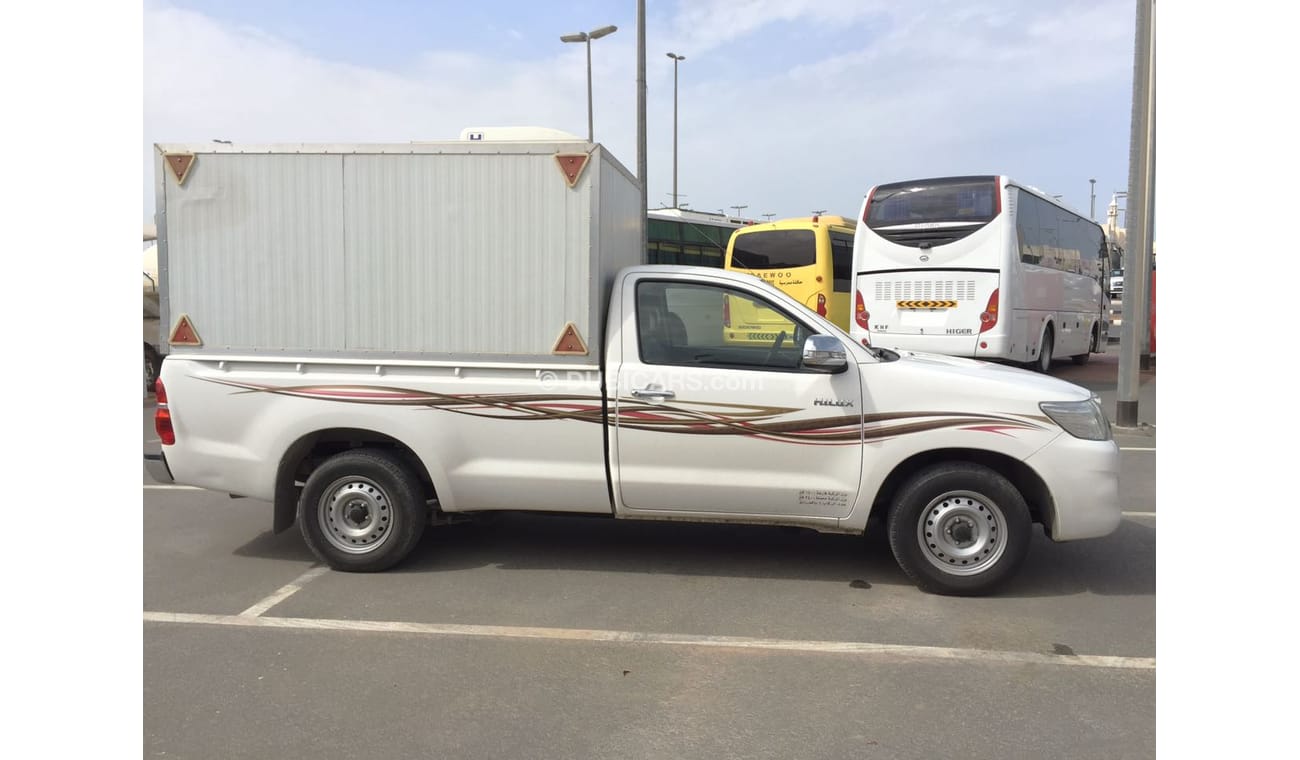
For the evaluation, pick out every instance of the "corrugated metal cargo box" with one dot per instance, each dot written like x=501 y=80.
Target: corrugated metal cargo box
x=446 y=250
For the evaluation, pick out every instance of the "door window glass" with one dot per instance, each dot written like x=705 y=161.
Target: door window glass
x=685 y=323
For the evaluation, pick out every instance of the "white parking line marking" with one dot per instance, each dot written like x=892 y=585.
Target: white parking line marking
x=1152 y=515
x=284 y=593
x=671 y=639
x=1136 y=448
x=149 y=487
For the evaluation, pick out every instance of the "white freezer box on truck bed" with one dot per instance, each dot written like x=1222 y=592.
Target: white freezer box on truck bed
x=454 y=250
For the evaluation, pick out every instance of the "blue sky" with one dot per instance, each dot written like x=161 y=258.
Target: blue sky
x=785 y=106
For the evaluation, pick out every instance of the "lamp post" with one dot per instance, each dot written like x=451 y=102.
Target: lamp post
x=738 y=209
x=768 y=216
x=587 y=37
x=1092 y=199
x=676 y=59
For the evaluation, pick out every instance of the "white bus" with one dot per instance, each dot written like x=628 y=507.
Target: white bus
x=983 y=267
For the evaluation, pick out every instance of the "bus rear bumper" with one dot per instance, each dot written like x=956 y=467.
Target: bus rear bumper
x=972 y=346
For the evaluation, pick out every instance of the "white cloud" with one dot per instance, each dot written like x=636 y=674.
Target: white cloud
x=205 y=80
x=949 y=87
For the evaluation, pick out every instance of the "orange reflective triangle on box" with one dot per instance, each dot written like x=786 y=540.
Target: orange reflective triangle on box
x=570 y=342
x=183 y=334
x=571 y=164
x=180 y=164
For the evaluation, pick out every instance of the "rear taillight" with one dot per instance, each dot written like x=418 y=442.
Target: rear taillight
x=162 y=417
x=821 y=304
x=989 y=317
x=860 y=313
x=866 y=207
x=726 y=311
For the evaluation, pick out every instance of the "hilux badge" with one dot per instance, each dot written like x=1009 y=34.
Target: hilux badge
x=831 y=402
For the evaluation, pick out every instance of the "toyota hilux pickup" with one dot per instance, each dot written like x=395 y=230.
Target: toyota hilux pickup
x=378 y=339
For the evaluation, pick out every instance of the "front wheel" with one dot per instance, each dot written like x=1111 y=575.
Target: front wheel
x=362 y=511
x=959 y=529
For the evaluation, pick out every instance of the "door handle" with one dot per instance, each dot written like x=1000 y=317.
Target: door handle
x=655 y=393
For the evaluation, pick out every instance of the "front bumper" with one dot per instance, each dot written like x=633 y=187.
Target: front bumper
x=1083 y=477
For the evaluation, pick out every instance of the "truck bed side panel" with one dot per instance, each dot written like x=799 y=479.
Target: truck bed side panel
x=490 y=438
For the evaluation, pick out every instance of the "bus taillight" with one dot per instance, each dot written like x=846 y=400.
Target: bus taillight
x=860 y=313
x=726 y=311
x=989 y=318
x=821 y=304
x=866 y=208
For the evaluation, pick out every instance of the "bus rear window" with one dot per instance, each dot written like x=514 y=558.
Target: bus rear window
x=774 y=249
x=957 y=199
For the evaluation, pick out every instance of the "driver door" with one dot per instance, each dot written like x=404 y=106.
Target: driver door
x=708 y=421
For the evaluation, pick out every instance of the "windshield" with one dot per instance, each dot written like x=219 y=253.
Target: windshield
x=774 y=249
x=953 y=199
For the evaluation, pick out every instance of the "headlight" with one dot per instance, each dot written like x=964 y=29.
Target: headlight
x=1081 y=419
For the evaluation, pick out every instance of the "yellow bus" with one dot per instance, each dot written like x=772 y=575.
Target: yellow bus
x=810 y=258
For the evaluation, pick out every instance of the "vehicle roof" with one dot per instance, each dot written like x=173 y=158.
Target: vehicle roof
x=801 y=222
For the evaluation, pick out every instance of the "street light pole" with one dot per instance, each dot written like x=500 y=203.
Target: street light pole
x=1092 y=199
x=587 y=37
x=641 y=160
x=676 y=59
x=738 y=209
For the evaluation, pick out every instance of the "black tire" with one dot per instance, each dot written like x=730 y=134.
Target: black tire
x=1044 y=362
x=152 y=366
x=981 y=522
x=368 y=501
x=1093 y=343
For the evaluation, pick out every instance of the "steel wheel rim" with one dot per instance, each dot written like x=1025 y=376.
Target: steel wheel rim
x=962 y=533
x=355 y=515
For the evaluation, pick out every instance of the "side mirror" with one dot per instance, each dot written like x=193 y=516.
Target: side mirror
x=824 y=353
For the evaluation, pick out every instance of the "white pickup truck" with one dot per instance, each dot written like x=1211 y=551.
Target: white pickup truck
x=416 y=356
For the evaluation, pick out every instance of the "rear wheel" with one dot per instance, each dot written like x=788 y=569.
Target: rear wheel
x=1082 y=359
x=1045 y=353
x=959 y=528
x=152 y=365
x=362 y=511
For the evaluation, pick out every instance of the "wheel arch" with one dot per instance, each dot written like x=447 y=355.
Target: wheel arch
x=1037 y=496
x=1049 y=325
x=311 y=449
